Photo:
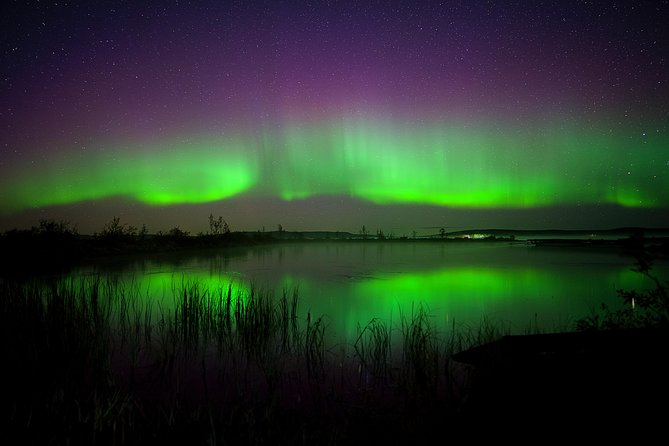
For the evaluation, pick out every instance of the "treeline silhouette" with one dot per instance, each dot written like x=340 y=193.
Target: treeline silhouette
x=56 y=242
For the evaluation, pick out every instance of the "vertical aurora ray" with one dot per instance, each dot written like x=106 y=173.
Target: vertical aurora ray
x=381 y=161
x=473 y=166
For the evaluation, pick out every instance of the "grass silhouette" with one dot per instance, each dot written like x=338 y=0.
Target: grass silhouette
x=89 y=364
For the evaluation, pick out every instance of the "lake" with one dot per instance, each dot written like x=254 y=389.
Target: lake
x=517 y=286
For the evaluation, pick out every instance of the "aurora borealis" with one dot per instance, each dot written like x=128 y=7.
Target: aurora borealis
x=331 y=115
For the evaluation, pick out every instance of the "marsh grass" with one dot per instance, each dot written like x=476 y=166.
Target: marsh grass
x=94 y=361
x=373 y=350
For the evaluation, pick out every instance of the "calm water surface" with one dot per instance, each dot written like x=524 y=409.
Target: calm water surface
x=517 y=285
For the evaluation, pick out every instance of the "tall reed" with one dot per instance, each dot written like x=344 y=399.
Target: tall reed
x=92 y=359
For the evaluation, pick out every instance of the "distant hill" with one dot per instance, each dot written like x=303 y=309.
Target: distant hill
x=304 y=235
x=564 y=233
x=520 y=234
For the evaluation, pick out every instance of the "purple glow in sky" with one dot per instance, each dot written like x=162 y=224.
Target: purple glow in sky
x=295 y=104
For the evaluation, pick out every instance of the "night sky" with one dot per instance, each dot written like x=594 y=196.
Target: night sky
x=329 y=115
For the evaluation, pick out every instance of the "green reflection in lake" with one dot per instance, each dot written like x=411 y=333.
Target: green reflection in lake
x=158 y=293
x=350 y=284
x=520 y=299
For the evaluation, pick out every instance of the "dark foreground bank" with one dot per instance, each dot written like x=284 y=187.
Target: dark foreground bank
x=82 y=365
x=610 y=376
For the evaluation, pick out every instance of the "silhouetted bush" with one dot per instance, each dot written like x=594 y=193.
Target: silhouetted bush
x=116 y=230
x=641 y=309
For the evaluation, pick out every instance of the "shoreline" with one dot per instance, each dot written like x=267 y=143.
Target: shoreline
x=35 y=249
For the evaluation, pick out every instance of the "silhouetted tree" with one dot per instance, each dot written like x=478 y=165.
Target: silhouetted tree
x=115 y=229
x=442 y=233
x=364 y=232
x=57 y=228
x=218 y=226
x=177 y=232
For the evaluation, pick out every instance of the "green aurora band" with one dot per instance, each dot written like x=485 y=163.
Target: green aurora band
x=179 y=172
x=446 y=164
x=466 y=166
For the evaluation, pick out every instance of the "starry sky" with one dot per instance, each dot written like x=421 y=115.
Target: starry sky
x=325 y=115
